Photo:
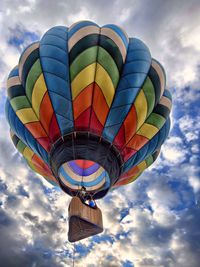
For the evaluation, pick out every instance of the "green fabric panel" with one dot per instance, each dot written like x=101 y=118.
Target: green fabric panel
x=19 y=102
x=84 y=59
x=110 y=46
x=150 y=95
x=21 y=146
x=83 y=44
x=30 y=164
x=32 y=77
x=156 y=120
x=107 y=62
x=149 y=160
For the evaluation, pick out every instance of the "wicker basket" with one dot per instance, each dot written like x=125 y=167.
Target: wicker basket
x=84 y=221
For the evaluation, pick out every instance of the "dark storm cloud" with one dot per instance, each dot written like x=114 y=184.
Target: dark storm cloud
x=14 y=250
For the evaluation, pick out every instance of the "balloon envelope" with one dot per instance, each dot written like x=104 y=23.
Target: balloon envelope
x=88 y=106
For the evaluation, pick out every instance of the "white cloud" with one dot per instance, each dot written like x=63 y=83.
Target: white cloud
x=162 y=199
x=190 y=127
x=173 y=150
x=195 y=183
x=153 y=233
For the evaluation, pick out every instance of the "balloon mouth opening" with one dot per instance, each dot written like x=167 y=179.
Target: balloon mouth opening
x=79 y=173
x=73 y=157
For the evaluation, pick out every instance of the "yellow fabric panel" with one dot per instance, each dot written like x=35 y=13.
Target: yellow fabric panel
x=105 y=83
x=142 y=166
x=26 y=115
x=141 y=108
x=35 y=169
x=30 y=164
x=83 y=79
x=28 y=153
x=148 y=130
x=133 y=178
x=38 y=93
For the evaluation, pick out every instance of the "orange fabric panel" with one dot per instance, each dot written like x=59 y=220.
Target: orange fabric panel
x=83 y=100
x=36 y=129
x=99 y=105
x=130 y=124
x=130 y=173
x=42 y=167
x=137 y=142
x=46 y=112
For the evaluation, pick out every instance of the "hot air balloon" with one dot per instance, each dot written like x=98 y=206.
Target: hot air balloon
x=89 y=110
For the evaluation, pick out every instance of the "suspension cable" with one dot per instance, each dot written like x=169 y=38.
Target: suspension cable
x=73 y=256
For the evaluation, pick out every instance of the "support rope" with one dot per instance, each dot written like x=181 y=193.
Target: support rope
x=73 y=257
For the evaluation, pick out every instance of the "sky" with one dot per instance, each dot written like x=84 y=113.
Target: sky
x=155 y=220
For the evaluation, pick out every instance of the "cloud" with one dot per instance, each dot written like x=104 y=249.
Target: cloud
x=154 y=221
x=165 y=27
x=195 y=183
x=173 y=151
x=189 y=125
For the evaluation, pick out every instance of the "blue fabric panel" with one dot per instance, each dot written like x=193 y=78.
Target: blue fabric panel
x=163 y=137
x=136 y=66
x=117 y=115
x=57 y=31
x=123 y=97
x=134 y=80
x=137 y=44
x=50 y=51
x=67 y=127
x=57 y=85
x=23 y=133
x=167 y=94
x=148 y=149
x=133 y=76
x=79 y=26
x=116 y=29
x=137 y=56
x=111 y=131
x=55 y=65
x=14 y=72
x=61 y=107
x=50 y=40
